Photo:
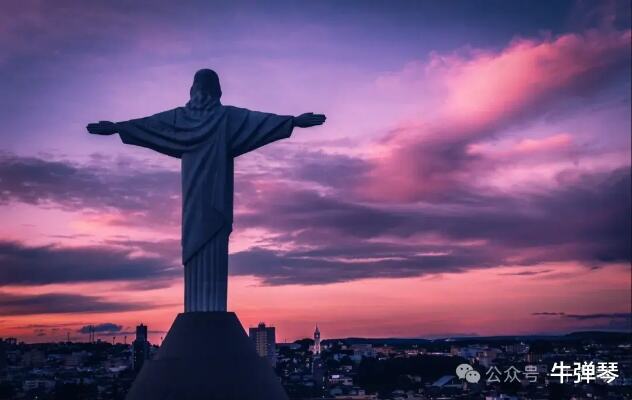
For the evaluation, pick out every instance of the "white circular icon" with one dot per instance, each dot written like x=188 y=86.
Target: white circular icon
x=463 y=369
x=472 y=376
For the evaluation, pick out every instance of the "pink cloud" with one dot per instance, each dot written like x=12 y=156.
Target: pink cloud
x=549 y=143
x=480 y=95
x=524 y=147
x=488 y=88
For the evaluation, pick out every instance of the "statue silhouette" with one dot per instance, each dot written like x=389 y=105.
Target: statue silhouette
x=206 y=136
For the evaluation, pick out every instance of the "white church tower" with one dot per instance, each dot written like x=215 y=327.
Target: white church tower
x=316 y=341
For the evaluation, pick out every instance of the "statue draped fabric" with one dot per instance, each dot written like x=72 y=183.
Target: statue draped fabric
x=206 y=136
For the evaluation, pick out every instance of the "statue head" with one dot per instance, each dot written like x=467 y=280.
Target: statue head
x=206 y=81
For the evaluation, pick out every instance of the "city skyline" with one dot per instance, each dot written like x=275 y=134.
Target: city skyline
x=364 y=369
x=510 y=215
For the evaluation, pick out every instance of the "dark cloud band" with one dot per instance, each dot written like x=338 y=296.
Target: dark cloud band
x=60 y=303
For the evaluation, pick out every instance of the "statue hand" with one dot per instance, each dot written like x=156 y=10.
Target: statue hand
x=102 y=128
x=309 y=119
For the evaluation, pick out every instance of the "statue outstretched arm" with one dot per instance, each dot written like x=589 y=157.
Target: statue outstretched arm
x=102 y=128
x=150 y=132
x=250 y=130
x=308 y=120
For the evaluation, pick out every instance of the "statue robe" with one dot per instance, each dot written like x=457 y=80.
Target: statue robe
x=206 y=138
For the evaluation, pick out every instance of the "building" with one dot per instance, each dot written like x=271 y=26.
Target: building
x=319 y=372
x=363 y=350
x=141 y=332
x=316 y=341
x=75 y=359
x=45 y=385
x=265 y=341
x=448 y=381
x=3 y=356
x=140 y=347
x=33 y=358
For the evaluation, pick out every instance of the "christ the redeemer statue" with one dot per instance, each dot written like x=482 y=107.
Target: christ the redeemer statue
x=207 y=136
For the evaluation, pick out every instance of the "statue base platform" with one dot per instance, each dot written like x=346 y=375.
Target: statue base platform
x=207 y=355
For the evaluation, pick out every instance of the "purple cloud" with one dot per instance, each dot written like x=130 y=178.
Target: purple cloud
x=60 y=303
x=332 y=237
x=105 y=327
x=30 y=265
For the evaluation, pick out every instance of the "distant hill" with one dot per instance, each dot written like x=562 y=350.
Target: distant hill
x=600 y=335
x=584 y=335
x=384 y=341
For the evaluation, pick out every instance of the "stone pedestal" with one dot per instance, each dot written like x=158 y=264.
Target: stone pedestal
x=207 y=355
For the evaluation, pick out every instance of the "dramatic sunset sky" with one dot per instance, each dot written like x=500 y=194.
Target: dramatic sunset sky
x=473 y=176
